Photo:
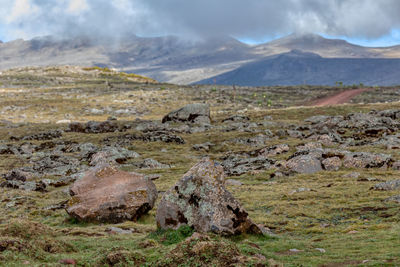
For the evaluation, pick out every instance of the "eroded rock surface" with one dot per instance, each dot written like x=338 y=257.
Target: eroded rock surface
x=106 y=194
x=201 y=201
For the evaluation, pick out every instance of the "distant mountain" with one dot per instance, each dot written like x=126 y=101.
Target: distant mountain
x=298 y=67
x=170 y=59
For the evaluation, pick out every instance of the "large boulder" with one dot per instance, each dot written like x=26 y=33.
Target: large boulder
x=201 y=201
x=194 y=113
x=106 y=194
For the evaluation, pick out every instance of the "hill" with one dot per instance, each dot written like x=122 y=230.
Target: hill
x=298 y=67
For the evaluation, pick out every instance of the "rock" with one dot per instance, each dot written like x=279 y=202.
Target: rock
x=159 y=136
x=201 y=201
x=394 y=199
x=233 y=182
x=106 y=194
x=49 y=135
x=256 y=141
x=151 y=164
x=117 y=230
x=17 y=175
x=194 y=113
x=271 y=151
x=306 y=164
x=206 y=146
x=367 y=160
x=94 y=127
x=112 y=155
x=396 y=166
x=235 y=165
x=236 y=118
x=299 y=190
x=321 y=250
x=309 y=146
x=352 y=175
x=6 y=150
x=332 y=164
x=27 y=186
x=387 y=186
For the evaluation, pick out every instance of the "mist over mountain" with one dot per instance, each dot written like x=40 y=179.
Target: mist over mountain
x=175 y=60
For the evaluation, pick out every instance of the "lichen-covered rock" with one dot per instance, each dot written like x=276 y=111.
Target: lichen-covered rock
x=367 y=160
x=106 y=194
x=332 y=164
x=304 y=164
x=201 y=201
x=194 y=113
x=235 y=165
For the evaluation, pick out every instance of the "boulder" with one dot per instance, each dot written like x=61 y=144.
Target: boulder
x=106 y=194
x=235 y=165
x=194 y=113
x=304 y=164
x=367 y=160
x=201 y=201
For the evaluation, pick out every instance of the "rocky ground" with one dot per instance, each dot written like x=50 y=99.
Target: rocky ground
x=244 y=177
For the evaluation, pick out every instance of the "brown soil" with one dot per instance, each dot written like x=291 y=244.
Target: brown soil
x=339 y=98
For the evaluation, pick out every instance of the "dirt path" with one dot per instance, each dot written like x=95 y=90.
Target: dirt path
x=339 y=98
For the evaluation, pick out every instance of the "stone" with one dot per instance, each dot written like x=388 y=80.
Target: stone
x=236 y=118
x=387 y=186
x=272 y=150
x=112 y=155
x=18 y=176
x=306 y=164
x=367 y=160
x=106 y=194
x=332 y=164
x=201 y=201
x=49 y=135
x=393 y=199
x=150 y=164
x=235 y=165
x=205 y=147
x=193 y=113
x=94 y=127
x=233 y=182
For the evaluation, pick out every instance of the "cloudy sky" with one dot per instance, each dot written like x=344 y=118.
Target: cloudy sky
x=367 y=22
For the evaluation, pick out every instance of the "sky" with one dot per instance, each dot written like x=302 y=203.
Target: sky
x=365 y=22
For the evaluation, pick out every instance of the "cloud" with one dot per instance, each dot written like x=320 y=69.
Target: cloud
x=255 y=19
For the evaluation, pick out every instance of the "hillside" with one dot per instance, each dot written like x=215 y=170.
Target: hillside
x=170 y=59
x=298 y=67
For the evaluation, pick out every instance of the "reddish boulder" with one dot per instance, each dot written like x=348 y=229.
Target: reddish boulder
x=106 y=194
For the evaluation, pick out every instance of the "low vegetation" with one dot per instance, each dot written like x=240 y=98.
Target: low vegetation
x=338 y=222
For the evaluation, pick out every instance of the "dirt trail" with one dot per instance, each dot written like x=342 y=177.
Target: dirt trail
x=339 y=98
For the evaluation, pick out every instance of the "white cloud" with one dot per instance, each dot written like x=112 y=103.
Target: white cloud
x=20 y=9
x=76 y=7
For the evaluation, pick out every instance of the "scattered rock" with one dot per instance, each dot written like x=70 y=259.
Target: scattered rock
x=94 y=127
x=332 y=164
x=201 y=201
x=151 y=164
x=394 y=198
x=193 y=113
x=235 y=165
x=306 y=164
x=233 y=182
x=387 y=186
x=205 y=147
x=106 y=194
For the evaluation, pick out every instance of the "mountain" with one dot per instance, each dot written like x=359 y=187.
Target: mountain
x=297 y=67
x=170 y=59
